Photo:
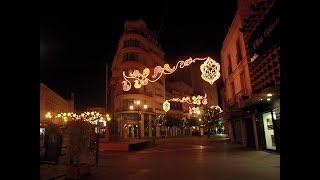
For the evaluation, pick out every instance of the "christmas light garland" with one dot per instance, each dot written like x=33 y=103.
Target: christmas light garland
x=194 y=100
x=209 y=69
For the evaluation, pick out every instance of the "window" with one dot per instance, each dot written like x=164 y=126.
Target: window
x=232 y=89
x=131 y=43
x=130 y=57
x=239 y=54
x=243 y=80
x=230 y=65
x=158 y=92
x=126 y=103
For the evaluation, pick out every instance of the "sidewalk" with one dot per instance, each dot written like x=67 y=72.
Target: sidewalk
x=49 y=171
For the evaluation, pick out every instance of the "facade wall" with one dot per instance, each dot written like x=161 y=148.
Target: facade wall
x=236 y=80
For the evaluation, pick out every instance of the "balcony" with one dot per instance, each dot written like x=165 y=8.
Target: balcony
x=122 y=109
x=243 y=94
x=231 y=102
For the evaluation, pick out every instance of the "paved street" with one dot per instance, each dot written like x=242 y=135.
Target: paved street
x=189 y=158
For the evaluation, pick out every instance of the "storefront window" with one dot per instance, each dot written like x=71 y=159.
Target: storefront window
x=269 y=130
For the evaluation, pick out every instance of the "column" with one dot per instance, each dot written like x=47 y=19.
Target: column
x=243 y=132
x=120 y=128
x=141 y=126
x=157 y=131
x=230 y=131
x=150 y=126
x=255 y=131
x=107 y=134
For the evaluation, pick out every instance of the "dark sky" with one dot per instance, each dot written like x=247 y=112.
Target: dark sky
x=75 y=47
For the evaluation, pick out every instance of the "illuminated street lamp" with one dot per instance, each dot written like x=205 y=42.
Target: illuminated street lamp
x=48 y=115
x=108 y=117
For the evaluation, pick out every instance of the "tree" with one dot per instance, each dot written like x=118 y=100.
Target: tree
x=210 y=116
x=79 y=134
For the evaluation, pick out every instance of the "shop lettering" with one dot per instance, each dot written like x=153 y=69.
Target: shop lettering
x=257 y=42
x=266 y=33
x=254 y=57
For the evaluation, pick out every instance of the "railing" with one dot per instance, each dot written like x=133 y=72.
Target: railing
x=231 y=102
x=134 y=91
x=240 y=97
x=134 y=110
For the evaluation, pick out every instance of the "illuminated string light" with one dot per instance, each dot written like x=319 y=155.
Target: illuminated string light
x=194 y=100
x=91 y=117
x=209 y=69
x=217 y=107
x=194 y=110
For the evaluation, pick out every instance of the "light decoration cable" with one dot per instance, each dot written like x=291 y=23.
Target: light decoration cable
x=194 y=110
x=217 y=108
x=90 y=117
x=194 y=100
x=209 y=69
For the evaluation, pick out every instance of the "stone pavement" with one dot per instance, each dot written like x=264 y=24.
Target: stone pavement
x=186 y=158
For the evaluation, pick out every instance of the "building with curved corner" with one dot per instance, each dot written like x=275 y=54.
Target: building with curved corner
x=136 y=109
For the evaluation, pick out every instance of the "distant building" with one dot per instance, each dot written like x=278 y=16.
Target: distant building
x=137 y=49
x=178 y=110
x=51 y=102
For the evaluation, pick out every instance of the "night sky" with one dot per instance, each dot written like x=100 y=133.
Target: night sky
x=75 y=47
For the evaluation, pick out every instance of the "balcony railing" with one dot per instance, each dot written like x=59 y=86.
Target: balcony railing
x=231 y=102
x=134 y=110
x=238 y=99
x=242 y=95
x=134 y=91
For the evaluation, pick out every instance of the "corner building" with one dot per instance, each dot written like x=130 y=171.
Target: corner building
x=136 y=109
x=252 y=83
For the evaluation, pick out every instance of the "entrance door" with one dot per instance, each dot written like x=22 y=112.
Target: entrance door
x=237 y=132
x=250 y=133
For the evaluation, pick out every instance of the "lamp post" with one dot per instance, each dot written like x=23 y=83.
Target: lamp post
x=140 y=119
